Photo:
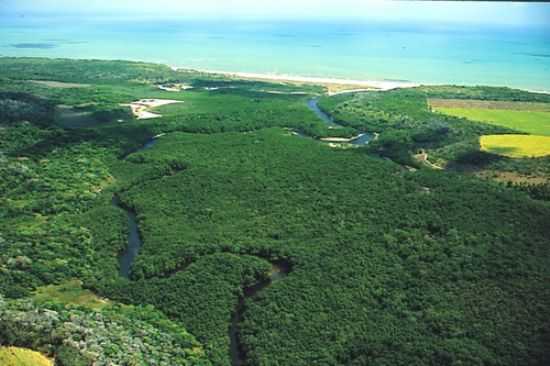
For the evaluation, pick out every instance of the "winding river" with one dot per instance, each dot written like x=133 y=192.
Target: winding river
x=363 y=138
x=134 y=238
x=279 y=270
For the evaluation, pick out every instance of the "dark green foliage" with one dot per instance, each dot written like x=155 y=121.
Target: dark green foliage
x=389 y=267
x=537 y=191
x=234 y=110
x=483 y=93
x=405 y=123
x=183 y=297
x=90 y=71
x=396 y=145
x=240 y=110
x=67 y=356
x=407 y=126
x=400 y=109
x=20 y=137
x=395 y=257
x=220 y=82
x=124 y=335
x=16 y=107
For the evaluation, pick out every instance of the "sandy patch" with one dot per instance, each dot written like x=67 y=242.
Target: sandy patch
x=141 y=108
x=342 y=139
x=59 y=84
x=422 y=157
x=174 y=87
x=336 y=139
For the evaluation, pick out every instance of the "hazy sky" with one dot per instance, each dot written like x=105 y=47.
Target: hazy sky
x=484 y=12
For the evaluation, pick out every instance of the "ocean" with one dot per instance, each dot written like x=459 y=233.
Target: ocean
x=424 y=53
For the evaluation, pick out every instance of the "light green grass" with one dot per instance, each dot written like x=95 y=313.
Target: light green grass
x=533 y=122
x=70 y=293
x=14 y=356
x=516 y=146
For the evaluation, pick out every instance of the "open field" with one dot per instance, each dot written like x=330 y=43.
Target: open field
x=14 y=356
x=70 y=293
x=516 y=146
x=533 y=122
x=437 y=103
x=513 y=177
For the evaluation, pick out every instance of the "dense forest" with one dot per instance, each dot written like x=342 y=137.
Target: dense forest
x=405 y=251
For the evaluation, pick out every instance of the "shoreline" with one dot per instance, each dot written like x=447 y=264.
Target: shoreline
x=335 y=85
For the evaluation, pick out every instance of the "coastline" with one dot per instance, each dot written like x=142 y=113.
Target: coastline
x=337 y=86
x=334 y=85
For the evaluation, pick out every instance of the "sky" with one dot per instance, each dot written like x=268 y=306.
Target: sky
x=482 y=12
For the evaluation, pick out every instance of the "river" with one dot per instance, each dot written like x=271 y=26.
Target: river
x=279 y=270
x=363 y=138
x=134 y=239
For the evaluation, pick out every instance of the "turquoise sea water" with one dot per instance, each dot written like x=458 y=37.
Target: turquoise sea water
x=427 y=53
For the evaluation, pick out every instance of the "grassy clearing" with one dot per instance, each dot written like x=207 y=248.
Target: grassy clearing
x=14 y=356
x=516 y=146
x=533 y=122
x=437 y=103
x=513 y=177
x=70 y=293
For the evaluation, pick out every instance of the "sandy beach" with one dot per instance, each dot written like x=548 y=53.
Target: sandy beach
x=333 y=85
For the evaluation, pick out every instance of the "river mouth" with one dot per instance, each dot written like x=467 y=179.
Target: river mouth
x=279 y=270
